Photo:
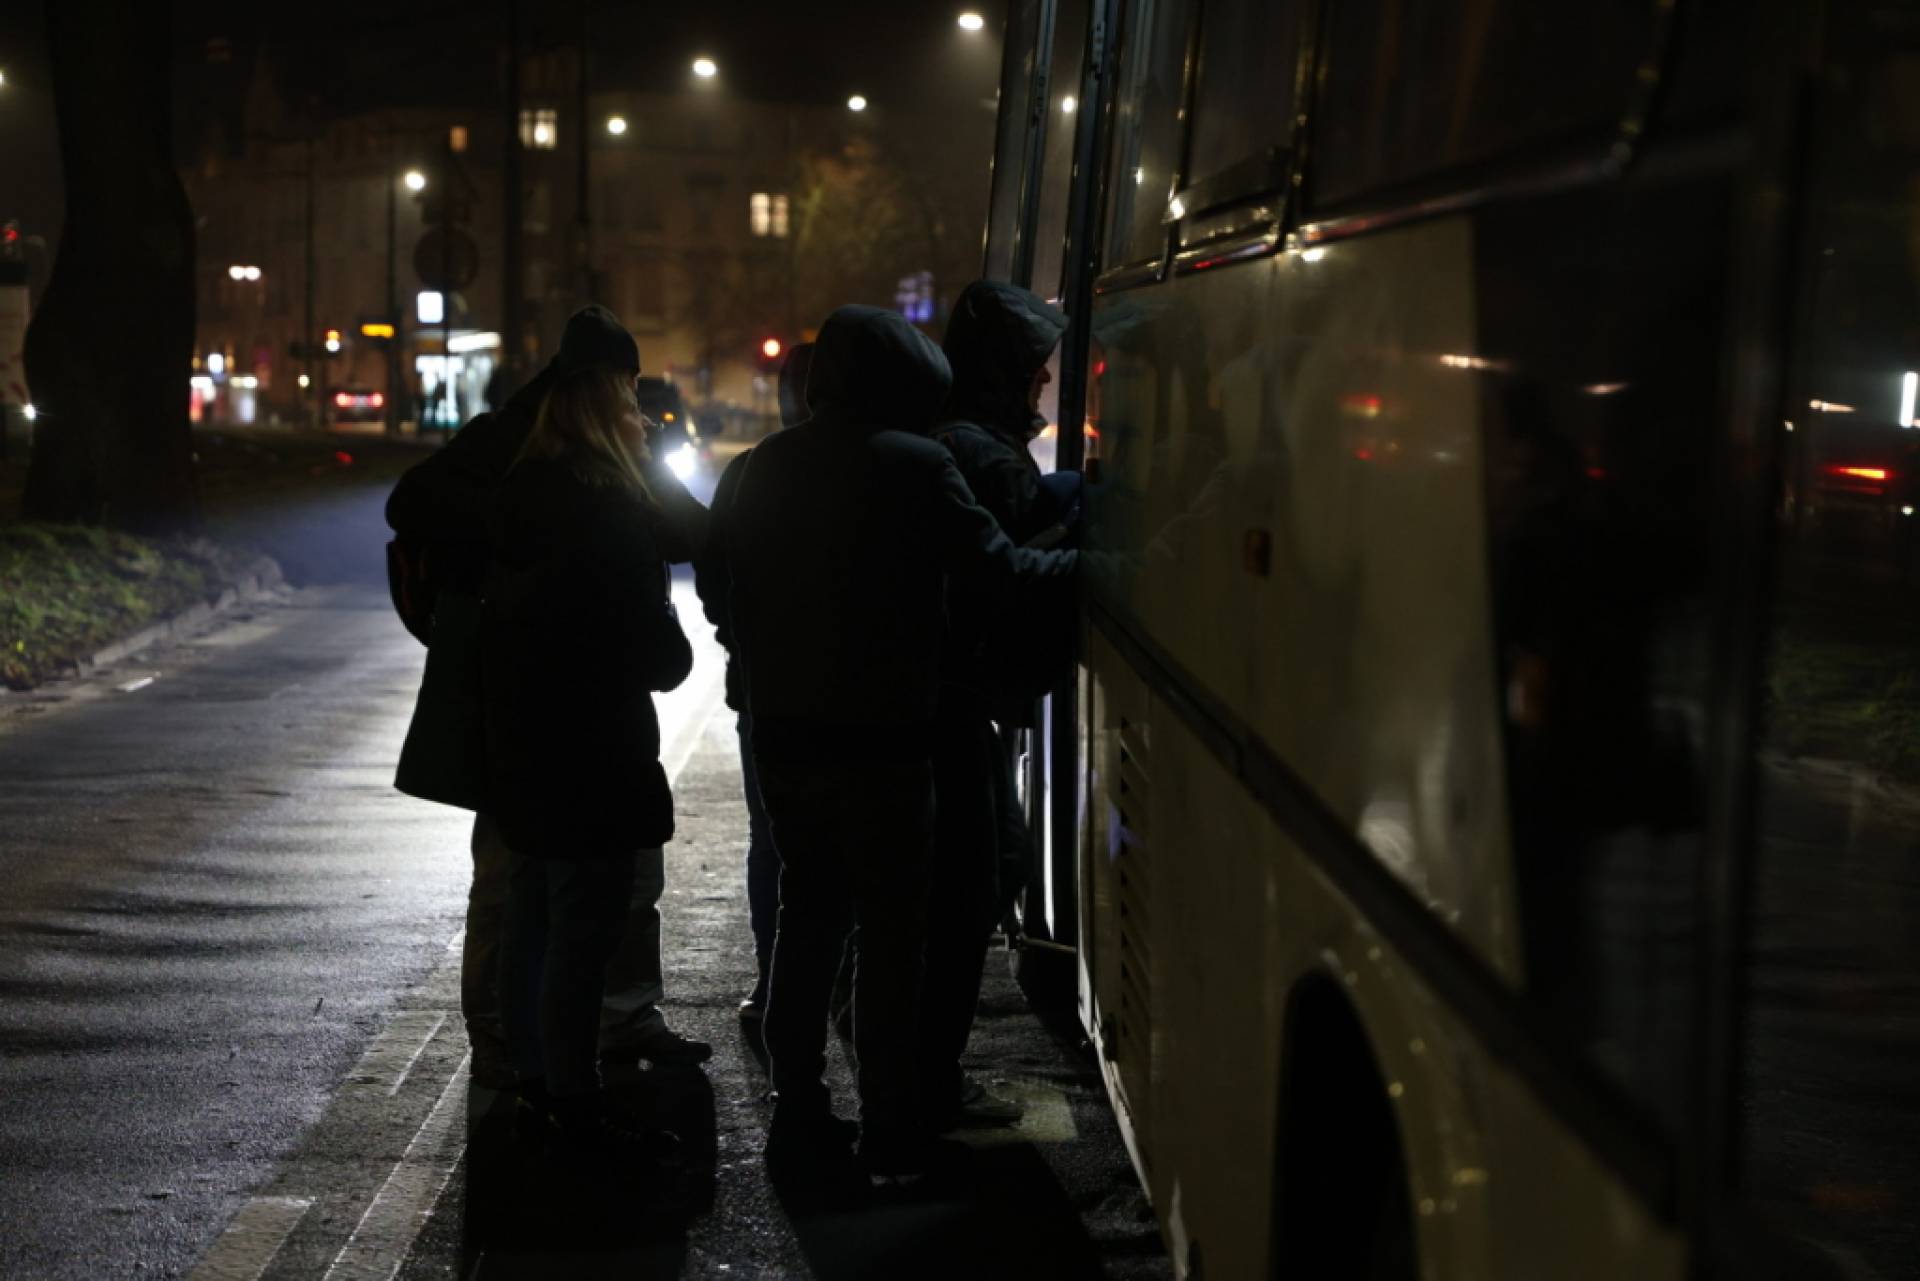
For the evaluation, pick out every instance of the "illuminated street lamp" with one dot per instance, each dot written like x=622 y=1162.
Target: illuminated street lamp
x=705 y=68
x=238 y=272
x=1068 y=105
x=616 y=125
x=415 y=180
x=971 y=21
x=856 y=103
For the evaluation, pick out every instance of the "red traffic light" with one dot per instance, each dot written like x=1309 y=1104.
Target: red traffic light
x=771 y=349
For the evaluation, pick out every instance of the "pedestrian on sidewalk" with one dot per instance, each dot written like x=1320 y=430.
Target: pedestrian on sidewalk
x=578 y=632
x=714 y=582
x=441 y=512
x=841 y=536
x=997 y=662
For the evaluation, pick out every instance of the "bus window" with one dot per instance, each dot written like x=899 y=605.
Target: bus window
x=1830 y=1095
x=1412 y=87
x=1056 y=170
x=1011 y=139
x=1147 y=134
x=1244 y=100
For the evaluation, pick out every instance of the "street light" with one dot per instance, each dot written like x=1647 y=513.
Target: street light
x=856 y=103
x=971 y=21
x=616 y=125
x=705 y=68
x=415 y=180
x=1068 y=104
x=238 y=272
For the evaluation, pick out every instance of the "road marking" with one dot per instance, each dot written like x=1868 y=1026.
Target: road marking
x=134 y=687
x=248 y=1245
x=393 y=1053
x=386 y=1232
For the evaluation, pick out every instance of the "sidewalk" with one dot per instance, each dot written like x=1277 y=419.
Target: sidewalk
x=1054 y=1198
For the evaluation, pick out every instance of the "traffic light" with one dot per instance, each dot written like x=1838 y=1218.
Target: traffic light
x=333 y=343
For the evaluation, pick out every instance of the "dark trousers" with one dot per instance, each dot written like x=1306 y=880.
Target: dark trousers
x=564 y=919
x=855 y=840
x=962 y=902
x=763 y=862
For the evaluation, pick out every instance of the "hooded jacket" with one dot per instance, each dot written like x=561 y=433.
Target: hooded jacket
x=841 y=536
x=997 y=339
x=712 y=579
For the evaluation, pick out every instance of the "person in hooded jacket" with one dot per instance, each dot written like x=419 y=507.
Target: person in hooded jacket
x=578 y=631
x=999 y=340
x=443 y=510
x=713 y=581
x=841 y=537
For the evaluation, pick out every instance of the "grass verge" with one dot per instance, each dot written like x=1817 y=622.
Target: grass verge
x=68 y=590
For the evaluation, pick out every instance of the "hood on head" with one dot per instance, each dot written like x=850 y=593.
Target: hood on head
x=793 y=384
x=870 y=367
x=998 y=336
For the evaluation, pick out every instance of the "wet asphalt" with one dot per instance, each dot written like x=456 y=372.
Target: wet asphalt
x=229 y=1032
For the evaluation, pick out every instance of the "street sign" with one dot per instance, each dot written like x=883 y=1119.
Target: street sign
x=446 y=259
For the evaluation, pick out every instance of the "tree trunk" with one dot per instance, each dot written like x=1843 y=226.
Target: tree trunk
x=110 y=350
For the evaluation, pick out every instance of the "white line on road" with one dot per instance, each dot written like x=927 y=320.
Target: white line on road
x=393 y=1053
x=248 y=1245
x=386 y=1232
x=134 y=687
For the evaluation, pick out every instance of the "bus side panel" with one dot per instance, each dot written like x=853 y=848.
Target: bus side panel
x=1292 y=480
x=1226 y=924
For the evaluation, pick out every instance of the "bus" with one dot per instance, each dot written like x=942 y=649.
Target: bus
x=1482 y=820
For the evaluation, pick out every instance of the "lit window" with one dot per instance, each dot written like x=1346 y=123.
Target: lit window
x=457 y=138
x=780 y=216
x=540 y=128
x=760 y=211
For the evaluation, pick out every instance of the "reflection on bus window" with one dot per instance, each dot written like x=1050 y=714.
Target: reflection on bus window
x=1147 y=138
x=1056 y=172
x=1414 y=86
x=1244 y=101
x=1833 y=1027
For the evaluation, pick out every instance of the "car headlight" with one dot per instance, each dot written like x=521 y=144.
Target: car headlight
x=681 y=461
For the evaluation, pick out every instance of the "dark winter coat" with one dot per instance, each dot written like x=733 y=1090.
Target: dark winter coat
x=446 y=505
x=578 y=633
x=712 y=580
x=997 y=339
x=841 y=535
x=1002 y=654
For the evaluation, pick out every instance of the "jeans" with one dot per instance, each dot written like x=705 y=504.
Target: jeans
x=855 y=840
x=480 y=951
x=564 y=918
x=634 y=979
x=763 y=861
x=961 y=903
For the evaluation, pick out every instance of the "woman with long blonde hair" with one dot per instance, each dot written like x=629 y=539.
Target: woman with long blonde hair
x=579 y=634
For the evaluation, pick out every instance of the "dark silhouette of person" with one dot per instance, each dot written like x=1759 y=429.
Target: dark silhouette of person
x=841 y=536
x=998 y=343
x=713 y=581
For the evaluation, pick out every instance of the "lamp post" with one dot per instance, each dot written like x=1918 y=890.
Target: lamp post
x=415 y=181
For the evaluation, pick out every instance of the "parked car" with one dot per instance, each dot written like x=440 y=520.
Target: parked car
x=355 y=406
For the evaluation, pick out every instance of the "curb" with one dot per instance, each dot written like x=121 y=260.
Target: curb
x=255 y=581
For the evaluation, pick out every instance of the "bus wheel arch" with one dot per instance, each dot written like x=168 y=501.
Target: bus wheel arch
x=1343 y=1203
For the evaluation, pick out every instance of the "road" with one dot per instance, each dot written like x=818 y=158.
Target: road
x=229 y=1036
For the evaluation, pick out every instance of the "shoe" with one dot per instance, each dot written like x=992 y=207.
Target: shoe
x=593 y=1127
x=809 y=1136
x=980 y=1107
x=893 y=1162
x=754 y=1008
x=659 y=1045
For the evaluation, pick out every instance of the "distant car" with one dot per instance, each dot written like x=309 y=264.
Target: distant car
x=353 y=406
x=680 y=442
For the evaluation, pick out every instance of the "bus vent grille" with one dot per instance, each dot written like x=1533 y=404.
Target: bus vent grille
x=1132 y=801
